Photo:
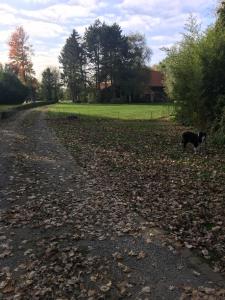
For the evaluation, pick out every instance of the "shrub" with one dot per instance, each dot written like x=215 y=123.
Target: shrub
x=218 y=130
x=12 y=91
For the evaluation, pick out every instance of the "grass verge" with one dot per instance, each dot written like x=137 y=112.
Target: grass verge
x=7 y=107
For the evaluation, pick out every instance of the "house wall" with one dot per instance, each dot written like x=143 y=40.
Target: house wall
x=155 y=95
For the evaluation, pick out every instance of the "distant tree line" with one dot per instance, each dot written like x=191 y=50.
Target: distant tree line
x=105 y=65
x=195 y=76
x=17 y=77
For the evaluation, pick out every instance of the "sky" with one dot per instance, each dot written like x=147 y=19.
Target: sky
x=50 y=22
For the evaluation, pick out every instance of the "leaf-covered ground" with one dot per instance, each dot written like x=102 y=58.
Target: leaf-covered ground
x=84 y=227
x=143 y=162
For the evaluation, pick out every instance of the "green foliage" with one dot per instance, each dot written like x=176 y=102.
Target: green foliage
x=106 y=50
x=72 y=59
x=218 y=128
x=50 y=86
x=184 y=74
x=221 y=15
x=12 y=91
x=194 y=71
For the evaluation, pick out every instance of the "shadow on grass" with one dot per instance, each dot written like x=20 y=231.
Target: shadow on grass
x=99 y=117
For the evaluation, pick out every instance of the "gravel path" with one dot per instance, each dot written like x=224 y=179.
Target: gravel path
x=57 y=243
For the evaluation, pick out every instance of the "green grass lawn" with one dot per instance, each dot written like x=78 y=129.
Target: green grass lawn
x=115 y=111
x=7 y=107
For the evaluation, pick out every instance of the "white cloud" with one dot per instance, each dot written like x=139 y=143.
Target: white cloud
x=81 y=29
x=91 y=4
x=199 y=4
x=36 y=28
x=40 y=29
x=7 y=18
x=4 y=36
x=154 y=7
x=58 y=13
x=7 y=14
x=4 y=56
x=7 y=8
x=139 y=23
x=38 y=1
x=166 y=7
x=43 y=59
x=167 y=38
x=86 y=3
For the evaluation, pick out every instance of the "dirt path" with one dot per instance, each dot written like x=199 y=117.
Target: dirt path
x=57 y=243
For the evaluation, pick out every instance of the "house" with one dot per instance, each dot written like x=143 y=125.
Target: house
x=155 y=91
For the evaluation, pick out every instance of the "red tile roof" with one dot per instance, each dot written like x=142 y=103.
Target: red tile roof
x=156 y=79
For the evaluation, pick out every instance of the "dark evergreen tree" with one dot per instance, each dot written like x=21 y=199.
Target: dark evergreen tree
x=117 y=61
x=93 y=39
x=73 y=61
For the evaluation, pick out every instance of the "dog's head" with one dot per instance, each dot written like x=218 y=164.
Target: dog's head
x=202 y=136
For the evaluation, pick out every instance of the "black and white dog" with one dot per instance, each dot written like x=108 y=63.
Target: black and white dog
x=193 y=138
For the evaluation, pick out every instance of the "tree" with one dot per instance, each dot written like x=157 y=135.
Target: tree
x=117 y=61
x=194 y=72
x=112 y=44
x=50 y=85
x=221 y=14
x=183 y=74
x=56 y=83
x=73 y=60
x=92 y=37
x=20 y=53
x=106 y=64
x=136 y=75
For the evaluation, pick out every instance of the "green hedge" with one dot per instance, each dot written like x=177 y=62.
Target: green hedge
x=12 y=91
